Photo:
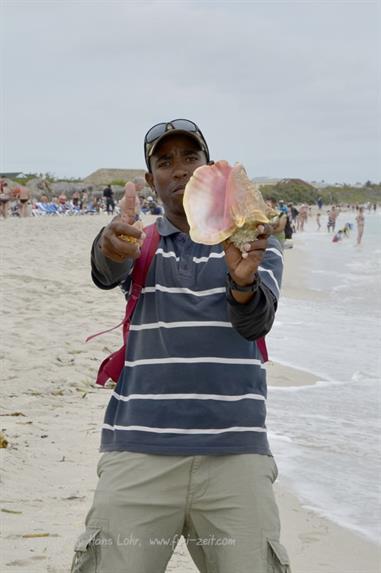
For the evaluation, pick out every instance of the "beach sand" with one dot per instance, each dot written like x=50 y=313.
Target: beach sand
x=51 y=412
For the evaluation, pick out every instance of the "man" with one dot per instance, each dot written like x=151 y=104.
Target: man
x=153 y=207
x=108 y=194
x=293 y=215
x=360 y=220
x=280 y=230
x=332 y=216
x=142 y=189
x=5 y=196
x=184 y=441
x=24 y=197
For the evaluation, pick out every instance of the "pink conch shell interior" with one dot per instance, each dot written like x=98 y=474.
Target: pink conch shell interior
x=221 y=201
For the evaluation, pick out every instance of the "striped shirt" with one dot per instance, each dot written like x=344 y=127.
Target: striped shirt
x=193 y=381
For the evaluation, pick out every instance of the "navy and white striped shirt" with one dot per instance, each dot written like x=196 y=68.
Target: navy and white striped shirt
x=193 y=381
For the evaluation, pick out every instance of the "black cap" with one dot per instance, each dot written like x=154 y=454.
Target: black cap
x=177 y=126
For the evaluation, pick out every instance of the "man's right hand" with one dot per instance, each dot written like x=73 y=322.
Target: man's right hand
x=123 y=237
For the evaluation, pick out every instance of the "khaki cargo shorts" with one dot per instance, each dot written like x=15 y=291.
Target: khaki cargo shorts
x=223 y=506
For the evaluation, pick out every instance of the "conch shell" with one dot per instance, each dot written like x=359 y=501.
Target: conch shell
x=221 y=203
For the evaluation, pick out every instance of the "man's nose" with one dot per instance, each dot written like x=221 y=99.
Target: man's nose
x=180 y=169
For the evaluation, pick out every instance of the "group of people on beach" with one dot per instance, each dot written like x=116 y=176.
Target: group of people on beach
x=345 y=231
x=17 y=200
x=293 y=219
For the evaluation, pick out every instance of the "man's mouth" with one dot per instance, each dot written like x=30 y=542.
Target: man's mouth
x=179 y=189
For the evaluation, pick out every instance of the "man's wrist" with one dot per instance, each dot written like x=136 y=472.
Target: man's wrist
x=252 y=287
x=241 y=294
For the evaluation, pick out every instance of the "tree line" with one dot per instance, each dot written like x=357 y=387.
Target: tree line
x=299 y=191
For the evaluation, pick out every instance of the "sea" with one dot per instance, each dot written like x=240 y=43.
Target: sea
x=326 y=438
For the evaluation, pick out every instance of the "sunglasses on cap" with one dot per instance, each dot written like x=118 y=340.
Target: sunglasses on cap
x=155 y=134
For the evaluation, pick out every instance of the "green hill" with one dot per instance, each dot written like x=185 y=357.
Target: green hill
x=298 y=191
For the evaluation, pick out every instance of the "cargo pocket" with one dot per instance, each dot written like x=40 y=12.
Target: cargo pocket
x=277 y=558
x=85 y=558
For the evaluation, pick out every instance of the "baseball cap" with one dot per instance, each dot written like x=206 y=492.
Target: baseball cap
x=161 y=130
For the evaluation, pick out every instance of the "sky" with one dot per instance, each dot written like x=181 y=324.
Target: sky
x=289 y=89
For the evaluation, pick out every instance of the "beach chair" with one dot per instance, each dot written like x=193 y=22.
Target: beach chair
x=46 y=209
x=90 y=209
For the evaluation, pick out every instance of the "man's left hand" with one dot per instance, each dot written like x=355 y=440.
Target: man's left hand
x=242 y=266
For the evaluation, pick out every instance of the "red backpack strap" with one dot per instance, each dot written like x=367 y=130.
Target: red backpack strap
x=112 y=366
x=261 y=344
x=139 y=273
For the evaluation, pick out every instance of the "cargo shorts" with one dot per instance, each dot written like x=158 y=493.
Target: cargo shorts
x=223 y=506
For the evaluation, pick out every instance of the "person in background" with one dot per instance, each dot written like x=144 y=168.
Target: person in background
x=142 y=188
x=360 y=220
x=75 y=199
x=293 y=216
x=97 y=203
x=302 y=217
x=338 y=236
x=83 y=200
x=318 y=215
x=282 y=207
x=153 y=207
x=332 y=217
x=5 y=196
x=62 y=199
x=24 y=197
x=279 y=229
x=108 y=195
x=288 y=231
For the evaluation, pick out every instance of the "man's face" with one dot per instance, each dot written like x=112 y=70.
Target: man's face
x=172 y=165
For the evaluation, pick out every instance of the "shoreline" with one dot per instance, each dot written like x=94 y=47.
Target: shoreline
x=51 y=411
x=282 y=375
x=317 y=544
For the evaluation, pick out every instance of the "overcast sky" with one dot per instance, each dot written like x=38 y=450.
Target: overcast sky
x=290 y=89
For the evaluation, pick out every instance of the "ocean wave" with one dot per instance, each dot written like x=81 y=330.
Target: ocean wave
x=365 y=376
x=279 y=437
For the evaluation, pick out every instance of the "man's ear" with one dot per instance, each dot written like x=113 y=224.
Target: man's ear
x=149 y=179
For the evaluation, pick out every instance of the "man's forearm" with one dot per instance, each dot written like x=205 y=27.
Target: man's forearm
x=242 y=297
x=107 y=274
x=252 y=319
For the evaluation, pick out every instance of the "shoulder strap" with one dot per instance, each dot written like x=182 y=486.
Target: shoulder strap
x=112 y=366
x=140 y=271
x=261 y=344
x=139 y=274
x=142 y=264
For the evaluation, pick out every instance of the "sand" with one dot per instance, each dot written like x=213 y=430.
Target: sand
x=51 y=412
